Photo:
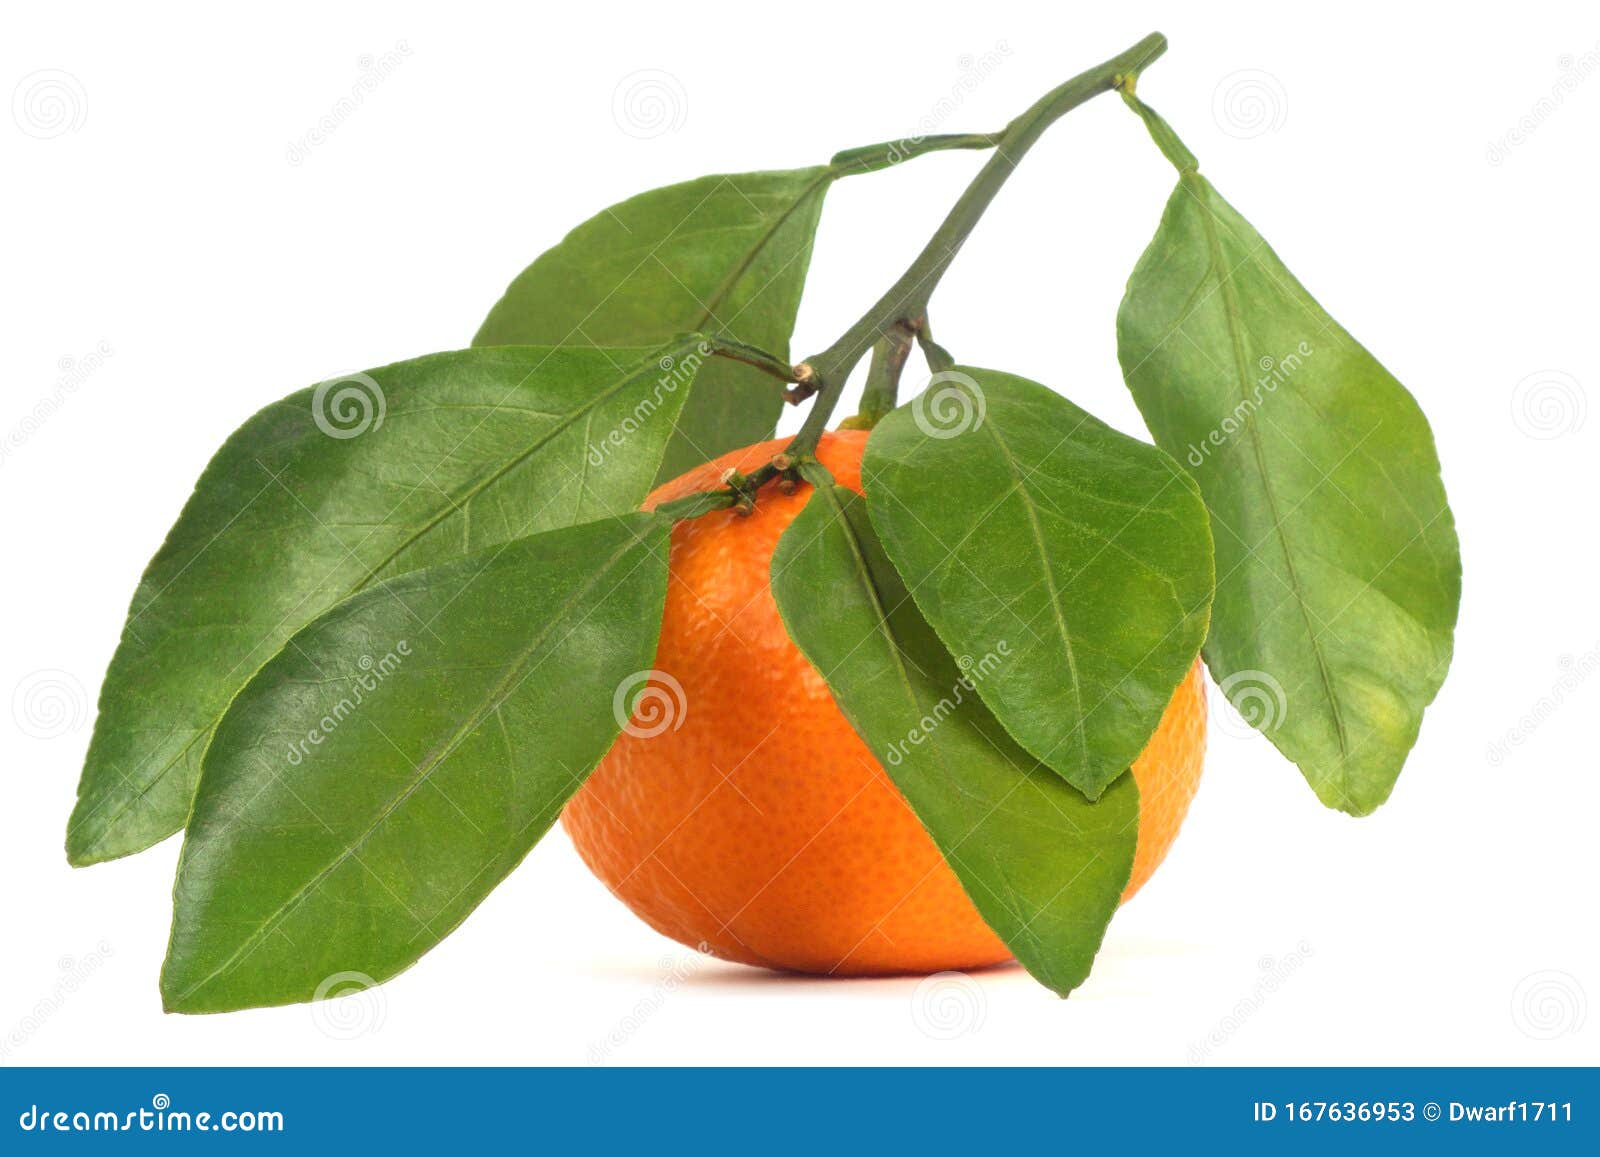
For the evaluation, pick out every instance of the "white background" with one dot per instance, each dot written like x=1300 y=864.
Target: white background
x=164 y=219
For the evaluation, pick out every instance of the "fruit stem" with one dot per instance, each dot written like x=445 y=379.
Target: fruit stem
x=908 y=297
x=889 y=357
x=902 y=311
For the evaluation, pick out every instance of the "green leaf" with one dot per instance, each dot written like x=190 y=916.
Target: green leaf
x=723 y=254
x=1044 y=867
x=1339 y=574
x=1016 y=517
x=315 y=498
x=400 y=756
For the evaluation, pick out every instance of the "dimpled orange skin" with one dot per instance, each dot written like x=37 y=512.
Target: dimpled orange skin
x=760 y=827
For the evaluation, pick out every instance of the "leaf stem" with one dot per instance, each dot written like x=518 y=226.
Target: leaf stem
x=694 y=505
x=1161 y=132
x=750 y=355
x=908 y=297
x=937 y=357
x=871 y=158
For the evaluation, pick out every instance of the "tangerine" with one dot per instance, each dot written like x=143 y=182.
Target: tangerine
x=740 y=813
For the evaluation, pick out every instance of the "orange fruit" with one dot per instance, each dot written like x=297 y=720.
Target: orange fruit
x=740 y=813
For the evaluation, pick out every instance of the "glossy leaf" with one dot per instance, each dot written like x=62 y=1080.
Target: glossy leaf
x=1044 y=867
x=1017 y=518
x=315 y=498
x=1339 y=574
x=400 y=756
x=724 y=254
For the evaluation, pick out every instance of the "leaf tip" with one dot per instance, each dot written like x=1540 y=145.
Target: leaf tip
x=177 y=993
x=81 y=850
x=1355 y=808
